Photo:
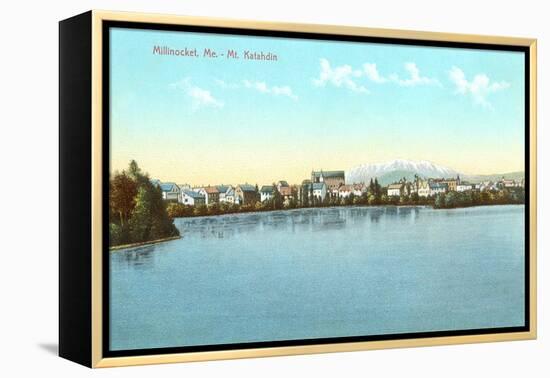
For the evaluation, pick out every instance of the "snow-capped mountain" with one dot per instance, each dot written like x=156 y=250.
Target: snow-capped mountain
x=391 y=171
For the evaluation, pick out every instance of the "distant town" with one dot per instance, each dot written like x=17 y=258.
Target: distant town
x=329 y=188
x=142 y=210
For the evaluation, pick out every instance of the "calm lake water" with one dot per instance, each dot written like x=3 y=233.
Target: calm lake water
x=315 y=273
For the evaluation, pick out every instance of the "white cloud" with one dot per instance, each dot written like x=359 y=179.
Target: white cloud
x=372 y=73
x=262 y=87
x=479 y=88
x=414 y=77
x=225 y=85
x=341 y=77
x=345 y=76
x=199 y=97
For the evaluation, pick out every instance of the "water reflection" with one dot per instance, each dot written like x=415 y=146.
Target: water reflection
x=135 y=257
x=292 y=221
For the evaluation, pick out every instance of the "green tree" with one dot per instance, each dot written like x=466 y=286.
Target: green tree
x=277 y=198
x=150 y=220
x=257 y=195
x=142 y=214
x=305 y=195
x=377 y=189
x=440 y=200
x=371 y=199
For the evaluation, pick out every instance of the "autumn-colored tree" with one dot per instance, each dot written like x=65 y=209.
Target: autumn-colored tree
x=122 y=193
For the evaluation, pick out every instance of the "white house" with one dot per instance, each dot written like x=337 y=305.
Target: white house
x=487 y=185
x=359 y=189
x=227 y=193
x=345 y=191
x=230 y=196
x=319 y=190
x=191 y=198
x=423 y=188
x=463 y=187
x=394 y=190
x=510 y=183
x=266 y=192
x=170 y=191
x=182 y=188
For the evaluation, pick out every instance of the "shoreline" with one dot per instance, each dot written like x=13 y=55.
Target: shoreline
x=140 y=244
x=349 y=206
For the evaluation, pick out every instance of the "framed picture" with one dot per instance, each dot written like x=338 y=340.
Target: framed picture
x=235 y=189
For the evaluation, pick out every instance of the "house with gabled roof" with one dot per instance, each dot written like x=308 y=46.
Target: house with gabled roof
x=317 y=189
x=245 y=194
x=267 y=192
x=344 y=191
x=285 y=190
x=170 y=191
x=282 y=184
x=359 y=189
x=192 y=198
x=227 y=193
x=423 y=188
x=211 y=194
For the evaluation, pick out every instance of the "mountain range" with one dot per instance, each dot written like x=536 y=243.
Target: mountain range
x=394 y=170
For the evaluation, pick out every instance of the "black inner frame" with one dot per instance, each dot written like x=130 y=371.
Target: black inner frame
x=106 y=25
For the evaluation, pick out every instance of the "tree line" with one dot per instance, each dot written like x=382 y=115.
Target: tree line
x=506 y=196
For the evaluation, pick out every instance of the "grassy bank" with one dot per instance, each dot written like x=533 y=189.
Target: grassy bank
x=133 y=245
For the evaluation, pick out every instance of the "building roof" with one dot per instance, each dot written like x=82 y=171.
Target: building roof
x=329 y=174
x=211 y=190
x=223 y=188
x=267 y=189
x=155 y=182
x=282 y=184
x=438 y=186
x=168 y=186
x=345 y=188
x=318 y=185
x=247 y=188
x=193 y=194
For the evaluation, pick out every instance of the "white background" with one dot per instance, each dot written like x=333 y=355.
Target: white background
x=29 y=190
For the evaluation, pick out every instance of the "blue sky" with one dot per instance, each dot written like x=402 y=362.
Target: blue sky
x=322 y=104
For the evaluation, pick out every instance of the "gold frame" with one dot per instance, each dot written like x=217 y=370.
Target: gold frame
x=97 y=359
